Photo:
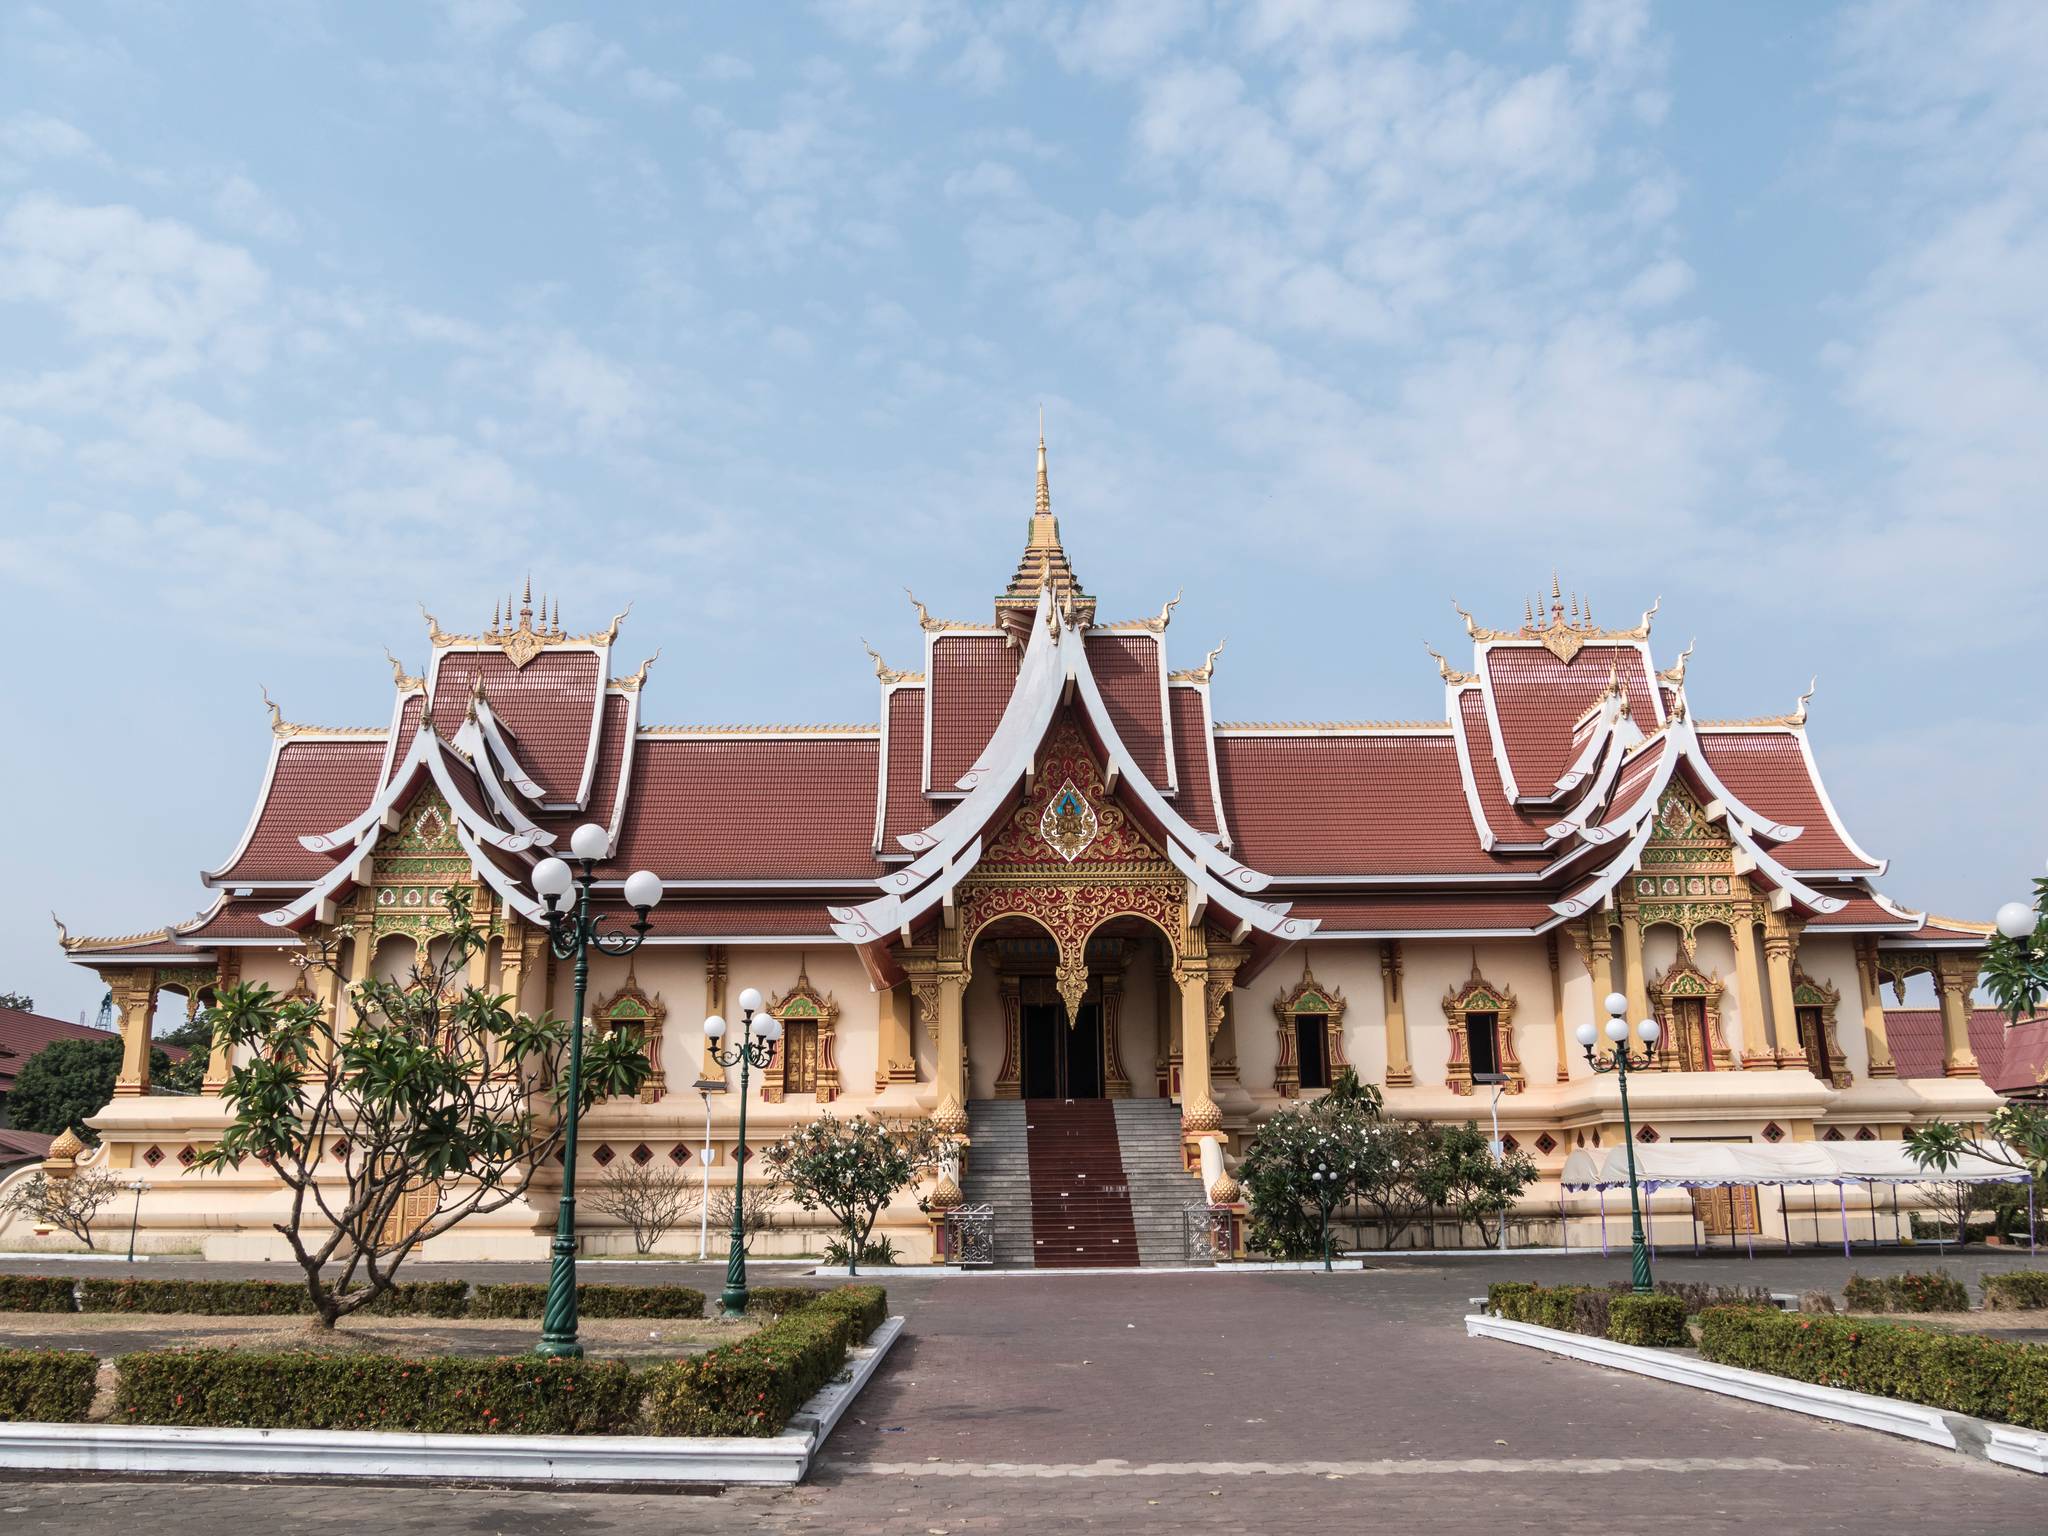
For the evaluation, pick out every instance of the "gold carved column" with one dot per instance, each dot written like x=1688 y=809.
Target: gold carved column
x=1955 y=977
x=1780 y=944
x=1635 y=984
x=896 y=1056
x=1165 y=1016
x=1756 y=1041
x=950 y=1114
x=1557 y=1008
x=1876 y=1040
x=1400 y=1074
x=711 y=1072
x=1116 y=1081
x=1199 y=1116
x=222 y=1061
x=135 y=1001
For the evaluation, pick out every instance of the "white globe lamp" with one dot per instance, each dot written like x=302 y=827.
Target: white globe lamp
x=643 y=890
x=552 y=878
x=589 y=843
x=714 y=1029
x=2016 y=920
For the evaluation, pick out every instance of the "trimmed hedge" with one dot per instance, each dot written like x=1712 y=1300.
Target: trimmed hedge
x=46 y=1386
x=752 y=1386
x=1655 y=1321
x=38 y=1293
x=1600 y=1313
x=594 y=1301
x=779 y=1300
x=1936 y=1292
x=440 y=1395
x=2023 y=1290
x=264 y=1298
x=1961 y=1372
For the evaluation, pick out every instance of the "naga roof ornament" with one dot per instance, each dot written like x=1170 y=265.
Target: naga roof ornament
x=1565 y=630
x=523 y=641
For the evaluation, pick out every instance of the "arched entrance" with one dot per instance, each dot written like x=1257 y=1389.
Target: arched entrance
x=1043 y=1045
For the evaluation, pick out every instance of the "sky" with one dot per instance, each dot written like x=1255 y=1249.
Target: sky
x=311 y=313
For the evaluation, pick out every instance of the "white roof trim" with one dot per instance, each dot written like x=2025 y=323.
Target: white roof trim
x=889 y=914
x=1827 y=802
x=516 y=773
x=474 y=738
x=1209 y=734
x=1455 y=710
x=632 y=730
x=889 y=691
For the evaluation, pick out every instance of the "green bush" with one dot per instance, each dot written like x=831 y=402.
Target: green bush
x=1698 y=1295
x=1655 y=1321
x=37 y=1293
x=209 y=1298
x=46 y=1386
x=595 y=1301
x=2023 y=1290
x=264 y=1298
x=1960 y=1372
x=1936 y=1292
x=441 y=1395
x=752 y=1386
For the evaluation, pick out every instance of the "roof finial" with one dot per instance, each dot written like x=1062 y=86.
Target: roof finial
x=1528 y=612
x=557 y=625
x=494 y=616
x=1556 y=591
x=1806 y=698
x=1044 y=503
x=526 y=604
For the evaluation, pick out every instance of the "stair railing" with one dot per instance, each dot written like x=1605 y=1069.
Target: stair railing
x=971 y=1236
x=1206 y=1232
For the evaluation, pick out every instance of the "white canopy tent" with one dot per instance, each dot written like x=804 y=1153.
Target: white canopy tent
x=1713 y=1165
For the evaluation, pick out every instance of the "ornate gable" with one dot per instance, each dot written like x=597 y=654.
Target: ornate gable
x=413 y=867
x=1687 y=875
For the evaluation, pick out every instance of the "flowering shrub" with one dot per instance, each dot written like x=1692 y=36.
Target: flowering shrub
x=1601 y=1313
x=262 y=1298
x=660 y=1301
x=45 y=1386
x=853 y=1167
x=1960 y=1372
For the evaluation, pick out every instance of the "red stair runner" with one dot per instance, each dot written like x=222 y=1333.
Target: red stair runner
x=1080 y=1202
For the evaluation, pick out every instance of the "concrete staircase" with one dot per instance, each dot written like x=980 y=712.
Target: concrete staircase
x=1079 y=1183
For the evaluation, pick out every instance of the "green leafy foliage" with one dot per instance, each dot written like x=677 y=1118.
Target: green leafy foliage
x=1611 y=1312
x=2015 y=971
x=38 y=1293
x=1936 y=1292
x=46 y=1386
x=2023 y=1290
x=262 y=1298
x=66 y=1081
x=751 y=1387
x=775 y=1300
x=852 y=1167
x=592 y=1301
x=1306 y=1162
x=1657 y=1322
x=1961 y=1372
x=425 y=1084
x=439 y=1395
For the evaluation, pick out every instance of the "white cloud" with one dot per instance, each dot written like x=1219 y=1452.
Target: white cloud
x=479 y=21
x=726 y=66
x=560 y=47
x=1661 y=283
x=245 y=208
x=646 y=85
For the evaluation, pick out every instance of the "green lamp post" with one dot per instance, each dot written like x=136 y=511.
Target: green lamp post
x=1621 y=1063
x=759 y=1030
x=572 y=933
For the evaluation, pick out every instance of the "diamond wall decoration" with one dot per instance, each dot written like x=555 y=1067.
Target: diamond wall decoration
x=643 y=1154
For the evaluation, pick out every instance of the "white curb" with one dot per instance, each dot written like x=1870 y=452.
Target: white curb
x=2006 y=1444
x=553 y=1459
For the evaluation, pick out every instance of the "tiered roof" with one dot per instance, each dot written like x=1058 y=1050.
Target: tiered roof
x=1521 y=808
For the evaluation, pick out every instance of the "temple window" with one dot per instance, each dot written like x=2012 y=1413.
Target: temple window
x=1687 y=1003
x=1480 y=1017
x=1813 y=1017
x=1310 y=1019
x=631 y=1009
x=1312 y=1048
x=1482 y=1032
x=806 y=1060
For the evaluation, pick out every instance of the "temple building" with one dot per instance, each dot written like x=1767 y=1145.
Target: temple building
x=1049 y=900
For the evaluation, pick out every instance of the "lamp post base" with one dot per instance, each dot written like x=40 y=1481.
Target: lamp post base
x=558 y=1324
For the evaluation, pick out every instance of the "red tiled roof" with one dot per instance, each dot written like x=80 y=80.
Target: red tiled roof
x=23 y=1034
x=1195 y=801
x=2023 y=1059
x=318 y=786
x=1126 y=669
x=1860 y=911
x=751 y=808
x=1934 y=931
x=1634 y=781
x=972 y=677
x=1508 y=824
x=22 y=1146
x=408 y=727
x=242 y=918
x=1767 y=772
x=1915 y=1038
x=728 y=919
x=547 y=708
x=1420 y=913
x=906 y=809
x=1340 y=805
x=604 y=781
x=1537 y=698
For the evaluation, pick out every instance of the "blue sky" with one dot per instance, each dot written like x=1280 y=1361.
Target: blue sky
x=310 y=312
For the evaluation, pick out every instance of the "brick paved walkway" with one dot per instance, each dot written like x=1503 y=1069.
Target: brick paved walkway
x=1266 y=1403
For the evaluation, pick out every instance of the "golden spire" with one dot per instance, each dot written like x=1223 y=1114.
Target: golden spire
x=1044 y=506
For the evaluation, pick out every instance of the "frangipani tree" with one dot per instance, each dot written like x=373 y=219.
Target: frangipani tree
x=427 y=1103
x=852 y=1168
